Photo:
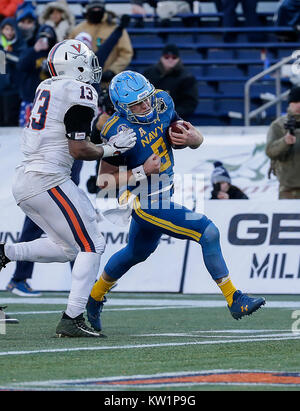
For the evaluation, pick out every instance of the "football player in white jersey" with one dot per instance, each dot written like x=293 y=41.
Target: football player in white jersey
x=57 y=133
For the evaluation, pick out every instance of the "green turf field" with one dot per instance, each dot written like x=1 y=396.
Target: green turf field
x=154 y=342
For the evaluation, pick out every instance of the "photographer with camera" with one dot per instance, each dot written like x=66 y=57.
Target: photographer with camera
x=283 y=148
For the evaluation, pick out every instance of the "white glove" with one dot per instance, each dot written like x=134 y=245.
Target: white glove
x=120 y=214
x=119 y=143
x=99 y=217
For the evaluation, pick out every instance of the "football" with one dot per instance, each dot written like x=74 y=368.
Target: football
x=174 y=127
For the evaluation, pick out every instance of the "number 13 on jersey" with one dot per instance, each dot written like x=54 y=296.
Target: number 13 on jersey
x=40 y=110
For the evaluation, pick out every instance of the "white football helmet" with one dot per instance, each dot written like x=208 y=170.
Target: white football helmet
x=73 y=59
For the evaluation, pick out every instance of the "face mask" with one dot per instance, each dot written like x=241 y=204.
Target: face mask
x=27 y=33
x=95 y=16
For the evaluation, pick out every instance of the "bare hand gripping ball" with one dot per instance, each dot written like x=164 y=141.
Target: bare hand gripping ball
x=174 y=128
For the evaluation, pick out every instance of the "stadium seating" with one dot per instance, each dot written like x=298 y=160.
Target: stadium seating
x=221 y=68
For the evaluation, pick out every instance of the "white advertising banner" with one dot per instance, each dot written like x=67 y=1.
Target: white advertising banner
x=260 y=237
x=260 y=243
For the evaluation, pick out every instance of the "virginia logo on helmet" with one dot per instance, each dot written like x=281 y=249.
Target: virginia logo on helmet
x=77 y=48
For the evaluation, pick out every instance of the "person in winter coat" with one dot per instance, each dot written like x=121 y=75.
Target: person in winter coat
x=169 y=74
x=8 y=8
x=33 y=69
x=58 y=15
x=283 y=148
x=12 y=45
x=222 y=187
x=100 y=24
x=27 y=22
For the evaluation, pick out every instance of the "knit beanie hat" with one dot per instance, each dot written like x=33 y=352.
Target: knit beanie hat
x=220 y=174
x=294 y=95
x=171 y=49
x=25 y=10
x=95 y=3
x=86 y=38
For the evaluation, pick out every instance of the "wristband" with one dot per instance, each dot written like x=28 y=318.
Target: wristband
x=139 y=173
x=77 y=136
x=108 y=150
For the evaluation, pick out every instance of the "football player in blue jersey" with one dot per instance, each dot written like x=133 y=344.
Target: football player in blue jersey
x=149 y=112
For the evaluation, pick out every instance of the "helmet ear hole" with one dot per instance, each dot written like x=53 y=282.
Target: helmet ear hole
x=66 y=56
x=81 y=69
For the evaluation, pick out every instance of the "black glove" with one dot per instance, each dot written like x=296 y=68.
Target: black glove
x=91 y=185
x=291 y=125
x=124 y=21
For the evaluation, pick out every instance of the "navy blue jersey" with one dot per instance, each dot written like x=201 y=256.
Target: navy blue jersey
x=151 y=138
x=154 y=213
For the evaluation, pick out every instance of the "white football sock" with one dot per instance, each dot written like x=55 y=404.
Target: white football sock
x=41 y=250
x=84 y=274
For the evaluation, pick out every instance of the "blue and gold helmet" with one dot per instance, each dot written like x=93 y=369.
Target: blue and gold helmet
x=128 y=88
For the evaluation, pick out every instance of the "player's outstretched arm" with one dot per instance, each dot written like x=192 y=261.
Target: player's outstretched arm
x=190 y=136
x=118 y=144
x=77 y=122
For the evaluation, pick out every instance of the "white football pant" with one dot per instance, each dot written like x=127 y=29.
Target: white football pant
x=68 y=218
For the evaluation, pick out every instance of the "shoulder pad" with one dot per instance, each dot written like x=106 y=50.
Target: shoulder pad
x=109 y=126
x=165 y=100
x=163 y=94
x=76 y=91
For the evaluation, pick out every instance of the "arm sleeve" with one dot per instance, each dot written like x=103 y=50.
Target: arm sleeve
x=175 y=117
x=78 y=121
x=27 y=60
x=104 y=50
x=276 y=146
x=168 y=101
x=124 y=54
x=116 y=161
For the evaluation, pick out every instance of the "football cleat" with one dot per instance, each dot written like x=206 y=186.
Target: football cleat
x=4 y=318
x=3 y=259
x=75 y=328
x=22 y=288
x=94 y=309
x=244 y=305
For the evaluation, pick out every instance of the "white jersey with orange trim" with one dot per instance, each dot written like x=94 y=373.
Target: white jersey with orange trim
x=63 y=109
x=44 y=143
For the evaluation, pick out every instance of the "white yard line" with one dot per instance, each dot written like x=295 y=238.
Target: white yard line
x=196 y=334
x=290 y=336
x=106 y=310
x=155 y=302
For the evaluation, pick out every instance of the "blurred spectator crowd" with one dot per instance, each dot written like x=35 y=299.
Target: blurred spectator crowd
x=26 y=37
